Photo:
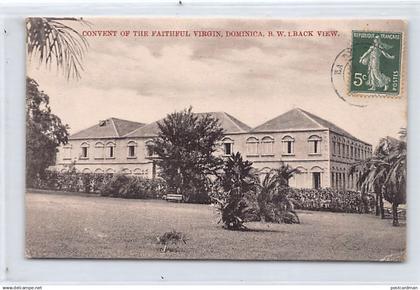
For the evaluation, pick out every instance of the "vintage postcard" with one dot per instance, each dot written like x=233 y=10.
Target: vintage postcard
x=213 y=138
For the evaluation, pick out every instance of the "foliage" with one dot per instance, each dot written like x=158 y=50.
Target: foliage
x=236 y=199
x=173 y=237
x=50 y=39
x=243 y=197
x=185 y=149
x=44 y=132
x=333 y=200
x=114 y=185
x=385 y=173
x=275 y=205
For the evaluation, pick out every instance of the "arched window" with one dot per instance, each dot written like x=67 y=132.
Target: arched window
x=288 y=145
x=227 y=146
x=267 y=144
x=126 y=171
x=316 y=173
x=67 y=152
x=99 y=150
x=85 y=150
x=314 y=144
x=137 y=171
x=131 y=149
x=149 y=149
x=110 y=171
x=252 y=146
x=99 y=171
x=110 y=150
x=86 y=170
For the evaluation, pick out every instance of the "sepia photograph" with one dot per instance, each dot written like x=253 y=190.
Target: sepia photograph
x=216 y=139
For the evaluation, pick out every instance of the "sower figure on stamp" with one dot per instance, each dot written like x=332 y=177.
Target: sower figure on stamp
x=372 y=58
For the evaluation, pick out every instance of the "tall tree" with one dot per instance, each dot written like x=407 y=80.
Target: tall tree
x=51 y=40
x=385 y=173
x=44 y=132
x=185 y=147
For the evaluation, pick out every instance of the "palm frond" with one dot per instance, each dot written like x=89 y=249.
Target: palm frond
x=52 y=41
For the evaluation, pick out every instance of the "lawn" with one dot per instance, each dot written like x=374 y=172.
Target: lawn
x=80 y=226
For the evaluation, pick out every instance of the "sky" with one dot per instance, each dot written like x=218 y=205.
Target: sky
x=252 y=78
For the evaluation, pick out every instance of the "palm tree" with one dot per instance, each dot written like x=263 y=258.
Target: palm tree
x=385 y=173
x=50 y=40
x=274 y=203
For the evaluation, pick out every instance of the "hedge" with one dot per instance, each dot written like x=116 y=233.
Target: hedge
x=124 y=186
x=334 y=200
x=115 y=185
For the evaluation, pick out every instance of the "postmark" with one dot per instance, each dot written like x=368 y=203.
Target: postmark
x=376 y=63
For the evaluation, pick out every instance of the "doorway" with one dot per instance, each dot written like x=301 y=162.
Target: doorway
x=316 y=180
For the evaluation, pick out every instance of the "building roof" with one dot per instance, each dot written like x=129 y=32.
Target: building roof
x=229 y=123
x=298 y=119
x=109 y=128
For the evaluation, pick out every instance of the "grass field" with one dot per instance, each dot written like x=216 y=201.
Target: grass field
x=77 y=226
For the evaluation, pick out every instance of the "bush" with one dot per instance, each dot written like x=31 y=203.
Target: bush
x=334 y=200
x=115 y=185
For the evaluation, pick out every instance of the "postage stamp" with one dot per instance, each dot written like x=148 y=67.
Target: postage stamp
x=376 y=62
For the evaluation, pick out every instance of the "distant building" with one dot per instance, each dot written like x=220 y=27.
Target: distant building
x=320 y=150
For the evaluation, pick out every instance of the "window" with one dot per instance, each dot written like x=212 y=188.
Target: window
x=267 y=145
x=131 y=149
x=347 y=151
x=99 y=150
x=314 y=144
x=126 y=171
x=334 y=148
x=149 y=149
x=110 y=150
x=67 y=152
x=316 y=180
x=339 y=149
x=227 y=146
x=85 y=151
x=287 y=144
x=351 y=152
x=251 y=146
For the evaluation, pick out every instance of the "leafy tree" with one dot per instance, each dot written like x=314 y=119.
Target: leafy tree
x=44 y=132
x=50 y=39
x=385 y=173
x=185 y=147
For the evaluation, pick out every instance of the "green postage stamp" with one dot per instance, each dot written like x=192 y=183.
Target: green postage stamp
x=376 y=62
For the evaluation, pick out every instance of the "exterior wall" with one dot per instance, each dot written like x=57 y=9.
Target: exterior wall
x=345 y=151
x=331 y=164
x=140 y=164
x=302 y=157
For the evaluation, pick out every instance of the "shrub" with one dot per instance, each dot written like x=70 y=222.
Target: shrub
x=115 y=185
x=275 y=205
x=334 y=200
x=236 y=197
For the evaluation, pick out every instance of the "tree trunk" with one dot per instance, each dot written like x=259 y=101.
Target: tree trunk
x=381 y=206
x=377 y=207
x=395 y=221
